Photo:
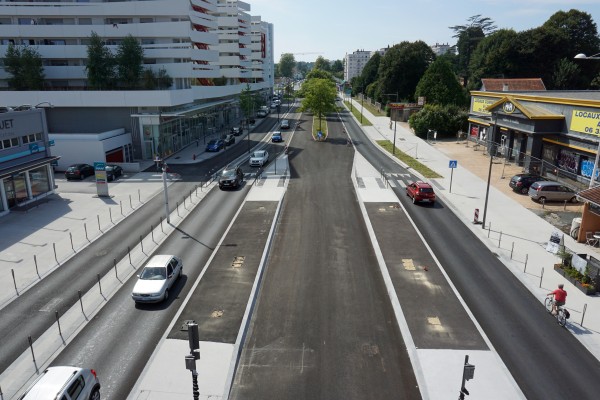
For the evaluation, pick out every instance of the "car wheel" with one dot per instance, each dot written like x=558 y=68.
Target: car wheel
x=414 y=199
x=95 y=395
x=166 y=296
x=573 y=200
x=524 y=190
x=542 y=200
x=81 y=176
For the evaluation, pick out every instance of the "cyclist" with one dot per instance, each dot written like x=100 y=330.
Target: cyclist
x=560 y=298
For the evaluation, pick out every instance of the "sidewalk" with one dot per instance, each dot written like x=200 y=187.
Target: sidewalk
x=508 y=222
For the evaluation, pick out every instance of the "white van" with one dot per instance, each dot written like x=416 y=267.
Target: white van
x=64 y=383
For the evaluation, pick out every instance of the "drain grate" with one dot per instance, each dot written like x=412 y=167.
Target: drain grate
x=238 y=261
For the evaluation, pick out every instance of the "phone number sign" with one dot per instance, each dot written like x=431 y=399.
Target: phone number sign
x=585 y=122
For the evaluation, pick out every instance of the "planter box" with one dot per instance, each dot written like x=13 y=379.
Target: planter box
x=589 y=290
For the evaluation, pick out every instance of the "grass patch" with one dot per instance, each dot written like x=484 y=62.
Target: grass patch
x=357 y=114
x=374 y=110
x=408 y=160
x=315 y=127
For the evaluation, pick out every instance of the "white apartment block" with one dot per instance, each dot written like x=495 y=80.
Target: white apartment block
x=354 y=63
x=441 y=48
x=211 y=48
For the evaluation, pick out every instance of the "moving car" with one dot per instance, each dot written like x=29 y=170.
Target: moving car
x=521 y=182
x=276 y=137
x=259 y=158
x=236 y=131
x=231 y=177
x=64 y=383
x=229 y=139
x=79 y=171
x=261 y=113
x=113 y=172
x=215 y=145
x=285 y=124
x=551 y=191
x=420 y=192
x=157 y=278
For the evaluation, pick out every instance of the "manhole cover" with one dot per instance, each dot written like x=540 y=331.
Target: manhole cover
x=238 y=262
x=217 y=314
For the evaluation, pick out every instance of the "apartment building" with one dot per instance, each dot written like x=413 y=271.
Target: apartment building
x=212 y=49
x=354 y=63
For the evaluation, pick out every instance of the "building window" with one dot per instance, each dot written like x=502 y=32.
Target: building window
x=39 y=181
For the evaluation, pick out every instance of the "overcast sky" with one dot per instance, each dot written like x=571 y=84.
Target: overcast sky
x=333 y=28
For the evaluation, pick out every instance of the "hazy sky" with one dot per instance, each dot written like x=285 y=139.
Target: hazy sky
x=336 y=27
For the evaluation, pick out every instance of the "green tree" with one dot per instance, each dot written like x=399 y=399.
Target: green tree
x=152 y=81
x=566 y=75
x=317 y=73
x=494 y=57
x=319 y=97
x=130 y=57
x=24 y=64
x=248 y=101
x=100 y=64
x=369 y=73
x=439 y=85
x=337 y=66
x=447 y=120
x=401 y=68
x=469 y=36
x=286 y=65
x=322 y=64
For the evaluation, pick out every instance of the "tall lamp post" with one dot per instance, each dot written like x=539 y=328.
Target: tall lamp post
x=582 y=56
x=491 y=151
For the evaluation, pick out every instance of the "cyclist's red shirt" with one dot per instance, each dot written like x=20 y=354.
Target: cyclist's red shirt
x=560 y=295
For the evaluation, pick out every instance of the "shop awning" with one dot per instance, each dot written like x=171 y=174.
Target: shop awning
x=8 y=172
x=478 y=121
x=590 y=195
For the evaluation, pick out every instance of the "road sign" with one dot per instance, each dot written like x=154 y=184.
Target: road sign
x=452 y=164
x=34 y=148
x=50 y=142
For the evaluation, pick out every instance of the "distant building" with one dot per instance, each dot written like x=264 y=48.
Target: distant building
x=354 y=63
x=440 y=49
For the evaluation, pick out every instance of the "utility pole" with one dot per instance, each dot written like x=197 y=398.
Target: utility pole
x=190 y=360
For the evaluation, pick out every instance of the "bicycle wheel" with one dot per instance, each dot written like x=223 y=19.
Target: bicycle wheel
x=548 y=304
x=561 y=318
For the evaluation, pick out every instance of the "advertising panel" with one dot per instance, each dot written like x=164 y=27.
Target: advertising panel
x=585 y=122
x=481 y=104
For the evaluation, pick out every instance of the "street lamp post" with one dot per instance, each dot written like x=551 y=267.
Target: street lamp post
x=491 y=151
x=164 y=178
x=362 y=104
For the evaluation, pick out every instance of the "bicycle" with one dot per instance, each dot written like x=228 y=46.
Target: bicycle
x=561 y=314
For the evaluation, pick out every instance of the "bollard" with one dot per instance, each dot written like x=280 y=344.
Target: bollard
x=36 y=266
x=14 y=280
x=178 y=209
x=130 y=203
x=129 y=254
x=55 y=257
x=152 y=232
x=184 y=207
x=499 y=239
x=85 y=229
x=139 y=196
x=543 y=203
x=115 y=265
x=72 y=247
x=121 y=205
x=161 y=227
x=476 y=216
x=80 y=301
x=196 y=190
x=565 y=206
x=526 y=258
x=110 y=214
x=31 y=346
x=99 y=284
x=541 y=276
x=142 y=244
x=99 y=223
x=58 y=323
x=583 y=314
x=512 y=249
x=489 y=229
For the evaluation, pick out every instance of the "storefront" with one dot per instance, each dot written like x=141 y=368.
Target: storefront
x=25 y=159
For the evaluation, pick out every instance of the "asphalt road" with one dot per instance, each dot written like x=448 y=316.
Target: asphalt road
x=323 y=326
x=546 y=360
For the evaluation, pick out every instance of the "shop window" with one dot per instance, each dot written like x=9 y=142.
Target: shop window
x=39 y=181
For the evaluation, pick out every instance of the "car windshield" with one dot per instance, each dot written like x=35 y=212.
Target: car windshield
x=212 y=142
x=154 y=273
x=71 y=169
x=228 y=172
x=258 y=154
x=109 y=168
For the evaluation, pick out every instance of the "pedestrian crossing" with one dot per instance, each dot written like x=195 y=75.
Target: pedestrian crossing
x=385 y=181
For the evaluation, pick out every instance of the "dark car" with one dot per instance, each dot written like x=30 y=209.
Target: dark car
x=79 y=171
x=231 y=177
x=236 y=131
x=229 y=139
x=215 y=145
x=113 y=172
x=276 y=137
x=420 y=192
x=521 y=182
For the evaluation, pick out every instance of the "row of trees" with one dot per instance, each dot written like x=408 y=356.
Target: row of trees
x=105 y=70
x=288 y=67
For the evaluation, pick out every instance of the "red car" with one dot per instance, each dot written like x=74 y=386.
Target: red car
x=420 y=192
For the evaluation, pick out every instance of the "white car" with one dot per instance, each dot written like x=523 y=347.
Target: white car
x=61 y=382
x=259 y=158
x=157 y=277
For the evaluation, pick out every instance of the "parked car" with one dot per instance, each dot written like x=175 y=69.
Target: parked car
x=420 y=192
x=274 y=106
x=551 y=191
x=521 y=182
x=285 y=124
x=79 y=171
x=157 y=278
x=261 y=113
x=215 y=145
x=276 y=137
x=229 y=139
x=236 y=131
x=64 y=383
x=259 y=158
x=231 y=177
x=113 y=172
